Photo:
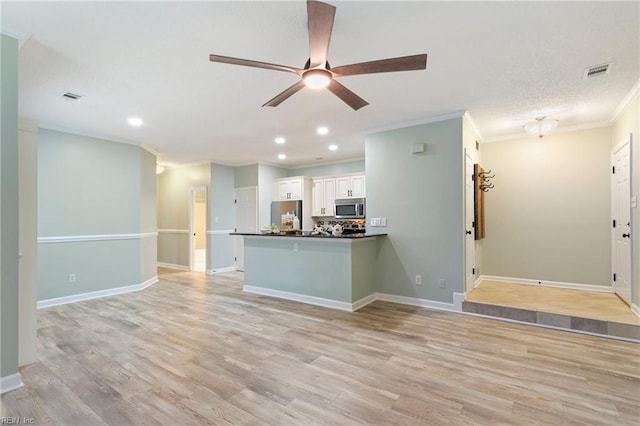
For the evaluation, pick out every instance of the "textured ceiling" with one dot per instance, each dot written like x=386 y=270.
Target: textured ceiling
x=503 y=62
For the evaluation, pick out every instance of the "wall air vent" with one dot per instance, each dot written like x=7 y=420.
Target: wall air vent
x=598 y=70
x=71 y=96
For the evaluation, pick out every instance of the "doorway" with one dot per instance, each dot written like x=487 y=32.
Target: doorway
x=246 y=220
x=470 y=252
x=621 y=219
x=198 y=229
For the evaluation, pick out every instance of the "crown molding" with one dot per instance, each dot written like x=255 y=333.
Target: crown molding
x=473 y=124
x=432 y=119
x=633 y=93
x=93 y=135
x=519 y=136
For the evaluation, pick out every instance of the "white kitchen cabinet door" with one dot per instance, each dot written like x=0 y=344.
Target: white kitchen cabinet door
x=317 y=197
x=343 y=186
x=357 y=186
x=350 y=186
x=295 y=189
x=289 y=189
x=329 y=196
x=282 y=190
x=323 y=196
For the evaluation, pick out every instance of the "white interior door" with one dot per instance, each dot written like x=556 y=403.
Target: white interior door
x=198 y=229
x=470 y=256
x=621 y=219
x=246 y=220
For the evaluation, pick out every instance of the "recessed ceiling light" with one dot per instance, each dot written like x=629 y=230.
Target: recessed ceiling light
x=280 y=140
x=282 y=156
x=322 y=130
x=135 y=121
x=333 y=147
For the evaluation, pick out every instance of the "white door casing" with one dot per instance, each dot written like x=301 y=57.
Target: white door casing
x=246 y=220
x=197 y=227
x=621 y=219
x=470 y=253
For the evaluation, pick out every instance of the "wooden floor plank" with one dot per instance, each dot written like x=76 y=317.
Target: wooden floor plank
x=194 y=349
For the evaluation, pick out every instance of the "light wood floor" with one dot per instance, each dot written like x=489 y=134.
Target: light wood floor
x=194 y=350
x=587 y=304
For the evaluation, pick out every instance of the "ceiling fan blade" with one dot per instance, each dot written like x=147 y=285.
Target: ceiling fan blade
x=320 y=21
x=350 y=98
x=255 y=64
x=284 y=95
x=404 y=63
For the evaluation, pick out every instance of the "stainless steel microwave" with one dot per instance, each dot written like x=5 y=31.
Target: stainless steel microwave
x=350 y=208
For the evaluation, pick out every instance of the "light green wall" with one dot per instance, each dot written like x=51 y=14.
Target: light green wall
x=9 y=206
x=356 y=166
x=421 y=195
x=221 y=216
x=246 y=176
x=173 y=210
x=629 y=122
x=93 y=187
x=266 y=177
x=548 y=217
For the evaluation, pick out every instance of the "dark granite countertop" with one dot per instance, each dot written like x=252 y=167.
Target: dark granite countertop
x=305 y=234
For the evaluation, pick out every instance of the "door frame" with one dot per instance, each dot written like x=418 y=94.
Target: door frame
x=192 y=200
x=469 y=241
x=626 y=141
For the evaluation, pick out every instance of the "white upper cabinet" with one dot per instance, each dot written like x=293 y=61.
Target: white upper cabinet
x=289 y=189
x=352 y=186
x=323 y=196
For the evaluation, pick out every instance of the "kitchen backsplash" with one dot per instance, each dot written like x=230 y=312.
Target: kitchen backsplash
x=351 y=223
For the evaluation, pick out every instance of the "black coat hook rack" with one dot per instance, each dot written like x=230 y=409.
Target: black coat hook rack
x=485 y=180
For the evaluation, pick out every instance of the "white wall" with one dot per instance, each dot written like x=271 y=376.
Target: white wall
x=548 y=217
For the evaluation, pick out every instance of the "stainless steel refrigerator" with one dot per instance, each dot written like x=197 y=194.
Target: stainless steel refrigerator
x=279 y=208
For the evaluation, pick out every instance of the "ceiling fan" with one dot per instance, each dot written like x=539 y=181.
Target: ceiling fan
x=317 y=73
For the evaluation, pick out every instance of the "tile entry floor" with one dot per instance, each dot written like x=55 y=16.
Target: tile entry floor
x=574 y=310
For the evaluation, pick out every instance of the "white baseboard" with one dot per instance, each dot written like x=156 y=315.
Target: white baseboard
x=95 y=294
x=312 y=300
x=221 y=270
x=558 y=284
x=635 y=309
x=476 y=282
x=456 y=306
x=173 y=266
x=11 y=382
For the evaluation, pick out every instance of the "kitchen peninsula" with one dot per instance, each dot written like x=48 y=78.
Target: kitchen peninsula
x=336 y=272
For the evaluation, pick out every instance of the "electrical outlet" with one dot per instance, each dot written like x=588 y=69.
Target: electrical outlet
x=418 y=280
x=442 y=283
x=383 y=221
x=72 y=278
x=295 y=247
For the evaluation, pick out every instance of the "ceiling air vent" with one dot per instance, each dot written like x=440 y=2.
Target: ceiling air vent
x=71 y=96
x=598 y=70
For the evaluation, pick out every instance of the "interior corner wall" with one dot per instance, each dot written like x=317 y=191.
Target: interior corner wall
x=341 y=168
x=421 y=195
x=221 y=218
x=173 y=211
x=148 y=217
x=90 y=219
x=9 y=293
x=548 y=217
x=629 y=123
x=472 y=147
x=266 y=177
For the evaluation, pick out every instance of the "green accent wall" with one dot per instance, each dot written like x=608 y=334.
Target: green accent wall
x=93 y=187
x=245 y=176
x=221 y=216
x=342 y=168
x=422 y=197
x=9 y=206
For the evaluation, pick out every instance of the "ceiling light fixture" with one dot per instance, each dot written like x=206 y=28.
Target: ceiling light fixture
x=322 y=130
x=135 y=121
x=541 y=126
x=333 y=147
x=282 y=156
x=317 y=78
x=280 y=140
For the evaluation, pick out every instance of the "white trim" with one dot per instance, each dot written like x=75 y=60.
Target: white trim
x=173 y=231
x=312 y=300
x=105 y=237
x=95 y=294
x=456 y=306
x=476 y=282
x=27 y=125
x=150 y=150
x=92 y=135
x=221 y=270
x=635 y=309
x=221 y=232
x=432 y=119
x=363 y=302
x=173 y=266
x=557 y=284
x=473 y=124
x=11 y=382
x=635 y=91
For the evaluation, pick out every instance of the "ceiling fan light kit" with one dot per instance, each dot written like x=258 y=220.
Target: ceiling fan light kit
x=316 y=73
